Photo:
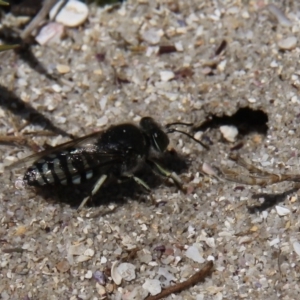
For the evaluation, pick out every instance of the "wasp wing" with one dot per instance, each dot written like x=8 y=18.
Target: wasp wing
x=86 y=142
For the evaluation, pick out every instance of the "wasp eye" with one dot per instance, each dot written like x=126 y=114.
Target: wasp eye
x=158 y=138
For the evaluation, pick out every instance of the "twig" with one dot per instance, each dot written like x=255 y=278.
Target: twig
x=197 y=277
x=12 y=139
x=13 y=250
x=19 y=140
x=36 y=21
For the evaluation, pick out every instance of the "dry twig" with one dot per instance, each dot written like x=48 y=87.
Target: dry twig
x=197 y=277
x=260 y=177
x=38 y=19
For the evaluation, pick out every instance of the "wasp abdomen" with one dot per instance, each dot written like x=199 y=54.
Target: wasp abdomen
x=64 y=168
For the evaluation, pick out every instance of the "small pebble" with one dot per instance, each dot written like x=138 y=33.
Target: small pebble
x=167 y=276
x=169 y=259
x=296 y=246
x=102 y=121
x=89 y=252
x=206 y=168
x=56 y=88
x=274 y=242
x=213 y=289
x=63 y=266
x=109 y=288
x=186 y=271
x=21 y=230
x=288 y=43
x=279 y=15
x=251 y=100
x=101 y=290
x=171 y=96
x=152 y=36
x=82 y=258
x=282 y=211
x=179 y=46
x=222 y=65
x=254 y=228
x=152 y=286
x=210 y=242
x=75 y=249
x=63 y=69
x=100 y=277
x=166 y=75
x=103 y=260
x=136 y=294
x=265 y=214
x=88 y=275
x=98 y=72
x=229 y=132
x=218 y=296
x=245 y=14
x=19 y=184
x=144 y=257
x=72 y=14
x=193 y=253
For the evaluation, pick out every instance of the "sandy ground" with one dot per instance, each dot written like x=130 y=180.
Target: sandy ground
x=213 y=63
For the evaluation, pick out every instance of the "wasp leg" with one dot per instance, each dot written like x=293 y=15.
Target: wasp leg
x=138 y=180
x=157 y=167
x=96 y=188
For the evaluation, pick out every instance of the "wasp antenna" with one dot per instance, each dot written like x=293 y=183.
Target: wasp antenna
x=179 y=123
x=171 y=130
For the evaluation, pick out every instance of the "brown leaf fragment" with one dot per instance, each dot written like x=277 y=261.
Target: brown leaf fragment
x=165 y=49
x=221 y=48
x=184 y=72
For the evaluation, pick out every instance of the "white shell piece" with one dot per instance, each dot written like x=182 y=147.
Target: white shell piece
x=282 y=211
x=206 y=168
x=152 y=286
x=296 y=246
x=288 y=43
x=193 y=253
x=115 y=275
x=127 y=271
x=50 y=33
x=72 y=14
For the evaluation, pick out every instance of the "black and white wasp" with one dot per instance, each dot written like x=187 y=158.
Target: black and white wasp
x=118 y=151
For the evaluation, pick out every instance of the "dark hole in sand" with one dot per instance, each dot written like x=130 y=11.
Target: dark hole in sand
x=245 y=119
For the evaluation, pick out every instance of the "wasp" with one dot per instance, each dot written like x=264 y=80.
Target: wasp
x=118 y=151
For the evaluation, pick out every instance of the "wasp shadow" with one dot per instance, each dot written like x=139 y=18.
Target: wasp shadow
x=270 y=200
x=23 y=7
x=114 y=190
x=23 y=51
x=10 y=101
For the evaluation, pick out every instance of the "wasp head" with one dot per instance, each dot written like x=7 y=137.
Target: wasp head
x=158 y=139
